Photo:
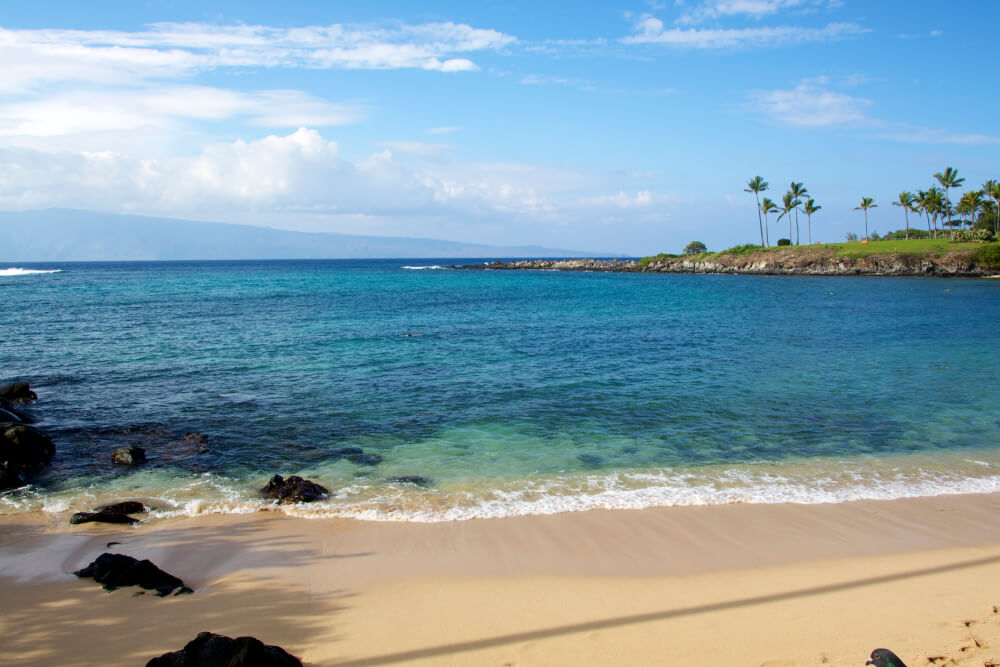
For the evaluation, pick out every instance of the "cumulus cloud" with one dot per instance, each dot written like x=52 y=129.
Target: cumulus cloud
x=651 y=30
x=810 y=104
x=755 y=9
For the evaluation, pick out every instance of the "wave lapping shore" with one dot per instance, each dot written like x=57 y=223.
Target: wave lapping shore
x=790 y=261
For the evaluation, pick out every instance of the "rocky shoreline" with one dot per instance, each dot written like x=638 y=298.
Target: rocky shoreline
x=774 y=262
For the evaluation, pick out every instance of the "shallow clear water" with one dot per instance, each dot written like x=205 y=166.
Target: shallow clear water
x=513 y=392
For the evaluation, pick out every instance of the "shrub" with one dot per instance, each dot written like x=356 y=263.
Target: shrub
x=695 y=248
x=646 y=261
x=851 y=236
x=987 y=256
x=784 y=242
x=744 y=249
x=972 y=235
x=900 y=234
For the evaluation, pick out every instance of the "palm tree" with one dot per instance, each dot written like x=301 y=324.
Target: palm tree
x=937 y=207
x=798 y=191
x=756 y=185
x=971 y=202
x=992 y=189
x=908 y=202
x=948 y=180
x=809 y=209
x=866 y=203
x=768 y=206
x=788 y=204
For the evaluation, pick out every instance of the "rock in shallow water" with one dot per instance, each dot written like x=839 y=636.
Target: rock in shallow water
x=112 y=513
x=24 y=450
x=294 y=490
x=17 y=392
x=211 y=650
x=410 y=479
x=129 y=456
x=113 y=571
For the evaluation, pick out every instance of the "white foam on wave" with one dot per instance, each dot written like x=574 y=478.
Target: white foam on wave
x=15 y=271
x=374 y=500
x=421 y=268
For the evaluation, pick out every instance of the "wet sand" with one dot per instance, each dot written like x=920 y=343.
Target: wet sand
x=736 y=584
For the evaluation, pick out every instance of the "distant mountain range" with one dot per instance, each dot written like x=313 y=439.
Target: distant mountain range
x=71 y=235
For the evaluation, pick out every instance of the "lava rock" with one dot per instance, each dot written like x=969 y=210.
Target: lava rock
x=211 y=650
x=129 y=456
x=364 y=459
x=294 y=490
x=9 y=414
x=113 y=571
x=24 y=450
x=112 y=513
x=18 y=393
x=102 y=517
x=410 y=479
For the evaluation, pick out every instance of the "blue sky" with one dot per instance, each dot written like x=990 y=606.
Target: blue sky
x=619 y=127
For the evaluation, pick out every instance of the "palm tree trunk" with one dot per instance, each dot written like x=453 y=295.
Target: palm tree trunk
x=796 y=226
x=757 y=194
x=809 y=218
x=906 y=215
x=866 y=226
x=767 y=233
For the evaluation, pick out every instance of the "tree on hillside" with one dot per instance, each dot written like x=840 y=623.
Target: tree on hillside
x=970 y=203
x=768 y=206
x=948 y=180
x=809 y=209
x=788 y=204
x=756 y=185
x=798 y=191
x=908 y=203
x=695 y=248
x=866 y=203
x=992 y=189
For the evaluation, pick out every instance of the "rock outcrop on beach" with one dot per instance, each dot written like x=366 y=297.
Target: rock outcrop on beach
x=113 y=513
x=294 y=490
x=24 y=450
x=17 y=393
x=805 y=261
x=211 y=650
x=113 y=571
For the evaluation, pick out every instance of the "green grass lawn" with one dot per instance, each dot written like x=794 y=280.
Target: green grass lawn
x=938 y=246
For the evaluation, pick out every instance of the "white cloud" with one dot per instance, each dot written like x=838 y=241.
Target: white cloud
x=809 y=104
x=35 y=58
x=441 y=130
x=755 y=9
x=642 y=199
x=420 y=148
x=650 y=30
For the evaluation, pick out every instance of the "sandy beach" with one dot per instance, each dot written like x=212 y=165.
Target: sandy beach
x=736 y=584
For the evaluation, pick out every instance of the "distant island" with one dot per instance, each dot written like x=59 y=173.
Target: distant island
x=914 y=257
x=68 y=235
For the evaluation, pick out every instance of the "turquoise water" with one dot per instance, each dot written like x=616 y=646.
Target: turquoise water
x=511 y=392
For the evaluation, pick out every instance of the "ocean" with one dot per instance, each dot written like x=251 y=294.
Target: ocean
x=509 y=393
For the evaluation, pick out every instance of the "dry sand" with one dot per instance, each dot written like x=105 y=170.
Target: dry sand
x=730 y=585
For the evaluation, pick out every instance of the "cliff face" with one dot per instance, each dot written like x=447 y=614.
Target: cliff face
x=784 y=261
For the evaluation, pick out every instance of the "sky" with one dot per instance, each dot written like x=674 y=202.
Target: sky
x=625 y=126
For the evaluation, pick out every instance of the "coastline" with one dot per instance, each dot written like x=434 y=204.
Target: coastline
x=743 y=584
x=791 y=261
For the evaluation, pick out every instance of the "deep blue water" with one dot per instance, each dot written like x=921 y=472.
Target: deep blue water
x=511 y=392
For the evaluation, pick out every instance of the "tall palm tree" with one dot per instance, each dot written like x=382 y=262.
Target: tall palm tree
x=908 y=202
x=768 y=206
x=866 y=203
x=809 y=209
x=756 y=185
x=948 y=180
x=992 y=189
x=788 y=204
x=937 y=206
x=798 y=191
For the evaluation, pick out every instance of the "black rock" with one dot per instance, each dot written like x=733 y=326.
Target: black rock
x=294 y=490
x=123 y=507
x=364 y=459
x=211 y=650
x=116 y=570
x=17 y=392
x=102 y=517
x=112 y=513
x=9 y=414
x=883 y=657
x=129 y=456
x=24 y=450
x=410 y=479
